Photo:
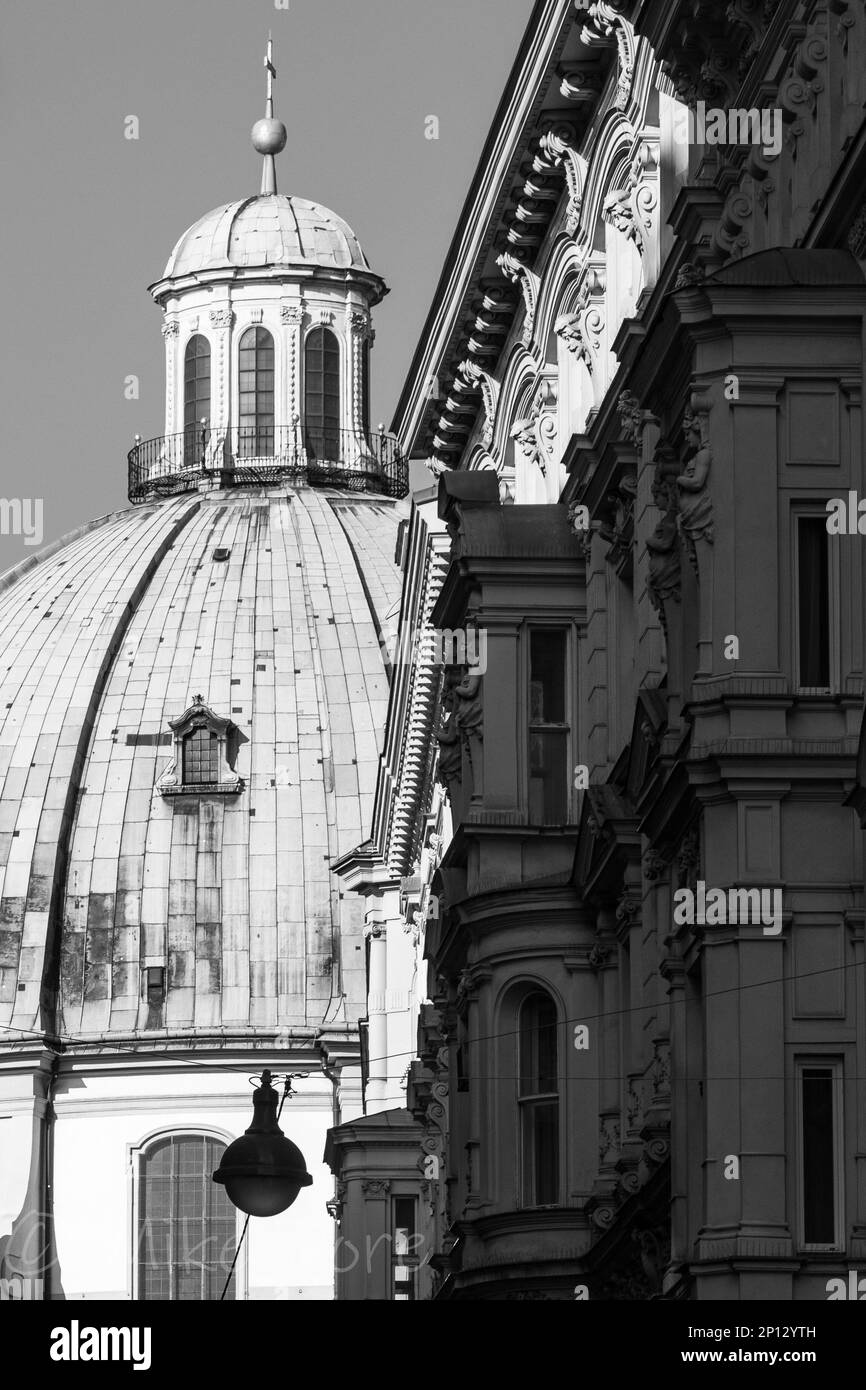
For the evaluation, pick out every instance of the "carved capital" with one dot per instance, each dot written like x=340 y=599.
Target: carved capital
x=376 y=1187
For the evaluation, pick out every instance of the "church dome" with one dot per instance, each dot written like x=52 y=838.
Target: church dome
x=270 y=229
x=244 y=621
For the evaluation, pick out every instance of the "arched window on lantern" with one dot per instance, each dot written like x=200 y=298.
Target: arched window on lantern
x=322 y=395
x=256 y=394
x=196 y=397
x=186 y=1227
x=538 y=1100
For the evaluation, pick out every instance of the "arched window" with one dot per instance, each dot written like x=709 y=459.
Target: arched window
x=201 y=758
x=538 y=1101
x=256 y=394
x=186 y=1223
x=196 y=395
x=322 y=395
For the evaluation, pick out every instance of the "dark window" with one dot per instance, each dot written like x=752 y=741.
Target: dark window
x=201 y=763
x=186 y=1223
x=813 y=601
x=196 y=396
x=548 y=728
x=819 y=1159
x=256 y=394
x=538 y=1101
x=322 y=395
x=405 y=1259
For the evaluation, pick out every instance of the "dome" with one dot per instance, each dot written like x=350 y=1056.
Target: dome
x=265 y=606
x=270 y=229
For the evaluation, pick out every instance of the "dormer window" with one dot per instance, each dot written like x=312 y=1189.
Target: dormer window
x=200 y=758
x=204 y=753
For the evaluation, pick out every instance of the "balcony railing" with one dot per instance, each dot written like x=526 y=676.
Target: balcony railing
x=246 y=456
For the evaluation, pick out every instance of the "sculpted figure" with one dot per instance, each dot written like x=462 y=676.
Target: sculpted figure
x=695 y=503
x=470 y=719
x=447 y=735
x=664 y=550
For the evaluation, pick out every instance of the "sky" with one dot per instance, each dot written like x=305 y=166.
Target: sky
x=90 y=217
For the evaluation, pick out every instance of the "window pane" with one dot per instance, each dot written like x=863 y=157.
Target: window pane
x=186 y=1235
x=196 y=390
x=548 y=776
x=814 y=601
x=540 y=1153
x=256 y=394
x=322 y=394
x=547 y=677
x=403 y=1247
x=537 y=1043
x=819 y=1175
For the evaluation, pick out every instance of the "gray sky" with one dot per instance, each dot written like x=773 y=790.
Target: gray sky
x=89 y=217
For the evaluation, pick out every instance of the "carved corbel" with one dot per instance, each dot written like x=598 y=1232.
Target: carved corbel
x=535 y=435
x=477 y=379
x=557 y=151
x=731 y=236
x=654 y=865
x=618 y=211
x=580 y=83
x=605 y=24
x=582 y=330
x=568 y=328
x=519 y=274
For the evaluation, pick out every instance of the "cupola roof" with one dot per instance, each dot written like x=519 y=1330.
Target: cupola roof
x=271 y=229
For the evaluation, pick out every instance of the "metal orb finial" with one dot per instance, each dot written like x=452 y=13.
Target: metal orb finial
x=269 y=135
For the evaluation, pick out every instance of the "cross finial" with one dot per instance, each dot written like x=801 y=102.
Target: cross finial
x=269 y=135
x=272 y=72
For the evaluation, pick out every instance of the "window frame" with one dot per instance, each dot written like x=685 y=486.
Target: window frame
x=328 y=428
x=404 y=1259
x=268 y=429
x=834 y=1064
x=527 y=1104
x=814 y=510
x=194 y=425
x=196 y=736
x=567 y=728
x=135 y=1156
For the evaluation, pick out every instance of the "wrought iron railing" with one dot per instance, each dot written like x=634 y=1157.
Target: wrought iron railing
x=260 y=454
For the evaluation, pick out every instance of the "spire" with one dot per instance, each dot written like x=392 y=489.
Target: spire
x=269 y=135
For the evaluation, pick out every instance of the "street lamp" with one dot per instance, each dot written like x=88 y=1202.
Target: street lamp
x=263 y=1171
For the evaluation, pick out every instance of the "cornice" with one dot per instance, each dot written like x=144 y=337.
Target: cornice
x=472 y=252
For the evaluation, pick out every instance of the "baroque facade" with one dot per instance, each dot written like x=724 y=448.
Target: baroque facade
x=638 y=388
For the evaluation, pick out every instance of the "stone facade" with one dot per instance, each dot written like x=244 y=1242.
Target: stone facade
x=665 y=371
